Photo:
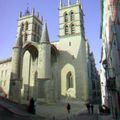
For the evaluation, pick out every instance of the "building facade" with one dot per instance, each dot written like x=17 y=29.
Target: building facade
x=50 y=71
x=110 y=34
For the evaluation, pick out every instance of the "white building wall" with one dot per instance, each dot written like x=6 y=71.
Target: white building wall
x=104 y=94
x=5 y=72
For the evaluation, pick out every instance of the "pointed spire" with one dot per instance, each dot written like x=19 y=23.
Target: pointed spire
x=37 y=14
x=60 y=4
x=45 y=36
x=41 y=18
x=20 y=14
x=19 y=39
x=69 y=2
x=78 y=2
x=33 y=11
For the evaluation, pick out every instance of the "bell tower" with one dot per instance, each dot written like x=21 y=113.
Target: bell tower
x=71 y=19
x=31 y=26
x=24 y=56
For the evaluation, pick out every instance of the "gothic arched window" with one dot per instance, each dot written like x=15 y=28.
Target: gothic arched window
x=34 y=38
x=26 y=37
x=38 y=29
x=26 y=26
x=72 y=17
x=65 y=17
x=66 y=30
x=72 y=28
x=35 y=27
x=22 y=26
x=69 y=80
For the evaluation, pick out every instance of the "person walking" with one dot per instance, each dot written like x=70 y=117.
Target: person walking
x=88 y=107
x=68 y=107
x=31 y=106
x=92 y=108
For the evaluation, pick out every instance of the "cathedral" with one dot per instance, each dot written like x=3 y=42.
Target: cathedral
x=48 y=71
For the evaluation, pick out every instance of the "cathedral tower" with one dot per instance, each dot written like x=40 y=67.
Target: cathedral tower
x=71 y=19
x=30 y=25
x=25 y=54
x=74 y=78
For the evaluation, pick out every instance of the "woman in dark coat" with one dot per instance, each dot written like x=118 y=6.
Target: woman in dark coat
x=31 y=107
x=68 y=107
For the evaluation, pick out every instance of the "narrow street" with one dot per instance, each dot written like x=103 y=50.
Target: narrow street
x=12 y=111
x=6 y=115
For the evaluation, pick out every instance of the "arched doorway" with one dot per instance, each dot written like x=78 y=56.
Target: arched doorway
x=29 y=70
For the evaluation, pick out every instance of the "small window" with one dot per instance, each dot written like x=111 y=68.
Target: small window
x=66 y=17
x=69 y=43
x=72 y=29
x=71 y=15
x=66 y=30
x=22 y=26
x=26 y=37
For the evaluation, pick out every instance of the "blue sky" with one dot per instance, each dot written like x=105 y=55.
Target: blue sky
x=9 y=11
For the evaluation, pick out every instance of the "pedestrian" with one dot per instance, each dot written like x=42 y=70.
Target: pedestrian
x=92 y=107
x=31 y=106
x=88 y=107
x=68 y=107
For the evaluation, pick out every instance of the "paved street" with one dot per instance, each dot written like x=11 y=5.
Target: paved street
x=12 y=111
x=58 y=111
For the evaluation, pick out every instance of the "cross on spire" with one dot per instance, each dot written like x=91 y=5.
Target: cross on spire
x=27 y=12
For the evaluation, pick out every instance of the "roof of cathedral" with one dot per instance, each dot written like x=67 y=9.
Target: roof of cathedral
x=45 y=36
x=5 y=60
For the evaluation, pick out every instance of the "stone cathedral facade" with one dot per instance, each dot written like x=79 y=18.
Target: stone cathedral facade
x=44 y=70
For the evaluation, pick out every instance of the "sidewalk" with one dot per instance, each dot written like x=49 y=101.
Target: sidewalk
x=18 y=109
x=11 y=107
